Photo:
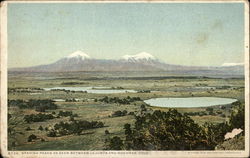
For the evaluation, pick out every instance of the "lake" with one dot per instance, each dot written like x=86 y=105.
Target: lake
x=97 y=90
x=189 y=102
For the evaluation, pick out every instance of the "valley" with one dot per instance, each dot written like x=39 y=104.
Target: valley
x=99 y=113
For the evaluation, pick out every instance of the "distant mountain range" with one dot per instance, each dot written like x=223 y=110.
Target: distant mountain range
x=79 y=61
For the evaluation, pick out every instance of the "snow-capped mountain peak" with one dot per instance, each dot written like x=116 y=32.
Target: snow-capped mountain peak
x=79 y=54
x=138 y=57
x=232 y=64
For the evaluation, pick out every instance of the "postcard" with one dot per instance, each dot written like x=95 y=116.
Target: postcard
x=125 y=79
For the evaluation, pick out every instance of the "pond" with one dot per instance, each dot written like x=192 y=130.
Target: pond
x=189 y=102
x=97 y=90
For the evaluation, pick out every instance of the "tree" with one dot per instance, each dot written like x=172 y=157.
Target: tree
x=127 y=128
x=51 y=134
x=13 y=131
x=209 y=109
x=131 y=113
x=124 y=112
x=40 y=128
x=143 y=109
x=128 y=133
x=107 y=132
x=71 y=118
x=237 y=118
x=115 y=143
x=28 y=129
x=40 y=108
x=9 y=116
x=31 y=137
x=214 y=133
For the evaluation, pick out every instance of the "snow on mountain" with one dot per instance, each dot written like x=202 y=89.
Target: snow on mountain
x=79 y=61
x=232 y=64
x=79 y=55
x=138 y=57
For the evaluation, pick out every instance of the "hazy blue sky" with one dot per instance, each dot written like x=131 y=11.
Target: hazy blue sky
x=187 y=34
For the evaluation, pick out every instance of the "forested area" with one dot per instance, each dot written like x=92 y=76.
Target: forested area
x=175 y=131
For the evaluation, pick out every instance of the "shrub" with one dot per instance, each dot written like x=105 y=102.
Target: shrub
x=222 y=115
x=37 y=117
x=51 y=134
x=65 y=113
x=38 y=105
x=219 y=112
x=74 y=127
x=40 y=128
x=115 y=143
x=107 y=132
x=71 y=118
x=209 y=109
x=31 y=137
x=131 y=113
x=126 y=100
x=28 y=129
x=119 y=113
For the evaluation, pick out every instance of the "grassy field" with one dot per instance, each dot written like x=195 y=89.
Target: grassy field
x=91 y=110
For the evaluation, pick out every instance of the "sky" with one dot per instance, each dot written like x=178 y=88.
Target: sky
x=198 y=34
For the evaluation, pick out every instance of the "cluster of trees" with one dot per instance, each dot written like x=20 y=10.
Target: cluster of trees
x=119 y=113
x=74 y=127
x=144 y=91
x=237 y=118
x=13 y=131
x=38 y=117
x=67 y=113
x=70 y=100
x=43 y=117
x=67 y=91
x=117 y=87
x=72 y=83
x=126 y=100
x=160 y=131
x=174 y=131
x=11 y=90
x=209 y=111
x=64 y=90
x=200 y=113
x=223 y=87
x=39 y=105
x=78 y=91
x=33 y=137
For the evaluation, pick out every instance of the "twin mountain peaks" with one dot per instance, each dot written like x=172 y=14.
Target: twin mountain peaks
x=80 y=61
x=132 y=58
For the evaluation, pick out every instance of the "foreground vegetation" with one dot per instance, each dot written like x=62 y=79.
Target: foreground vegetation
x=173 y=131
